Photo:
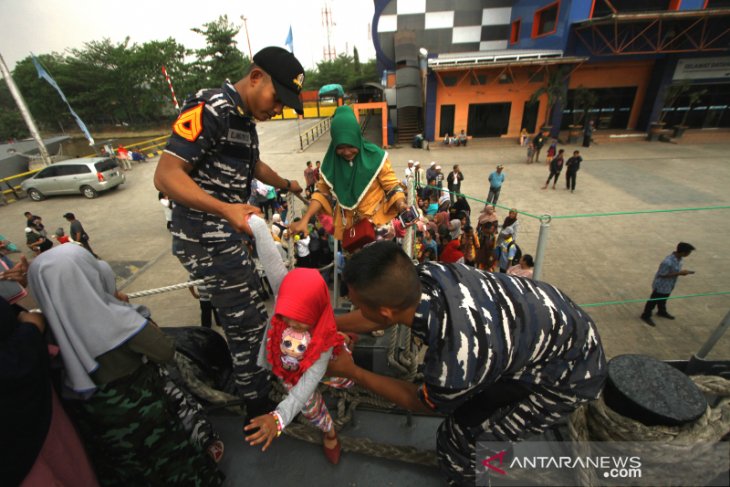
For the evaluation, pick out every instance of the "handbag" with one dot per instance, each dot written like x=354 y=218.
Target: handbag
x=358 y=235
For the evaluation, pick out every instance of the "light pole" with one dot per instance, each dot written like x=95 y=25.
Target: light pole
x=423 y=52
x=245 y=26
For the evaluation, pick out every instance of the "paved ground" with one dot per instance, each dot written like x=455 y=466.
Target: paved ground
x=592 y=259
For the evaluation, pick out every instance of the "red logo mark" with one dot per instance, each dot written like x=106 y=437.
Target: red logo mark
x=499 y=456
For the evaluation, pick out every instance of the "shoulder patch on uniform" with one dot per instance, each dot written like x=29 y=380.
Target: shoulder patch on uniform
x=189 y=124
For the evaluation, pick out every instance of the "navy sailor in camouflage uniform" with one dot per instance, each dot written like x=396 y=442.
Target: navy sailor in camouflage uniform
x=207 y=168
x=507 y=356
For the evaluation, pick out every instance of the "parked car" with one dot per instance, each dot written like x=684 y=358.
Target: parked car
x=88 y=176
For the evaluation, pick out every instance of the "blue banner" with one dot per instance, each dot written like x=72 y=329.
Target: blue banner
x=42 y=73
x=289 y=43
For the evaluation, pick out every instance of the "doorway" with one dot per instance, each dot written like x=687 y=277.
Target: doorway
x=488 y=119
x=446 y=125
x=529 y=116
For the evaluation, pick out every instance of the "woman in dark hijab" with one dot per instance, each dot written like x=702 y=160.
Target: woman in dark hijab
x=39 y=444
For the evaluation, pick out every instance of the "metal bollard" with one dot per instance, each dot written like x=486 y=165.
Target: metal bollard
x=541 y=246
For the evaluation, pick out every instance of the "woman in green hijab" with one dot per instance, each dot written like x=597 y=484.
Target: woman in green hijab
x=358 y=174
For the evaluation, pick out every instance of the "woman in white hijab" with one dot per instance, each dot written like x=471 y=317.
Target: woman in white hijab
x=107 y=347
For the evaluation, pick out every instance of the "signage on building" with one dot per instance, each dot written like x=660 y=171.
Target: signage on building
x=703 y=68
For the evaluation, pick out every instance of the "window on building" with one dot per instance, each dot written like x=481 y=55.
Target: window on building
x=505 y=79
x=601 y=8
x=450 y=80
x=479 y=79
x=546 y=20
x=514 y=35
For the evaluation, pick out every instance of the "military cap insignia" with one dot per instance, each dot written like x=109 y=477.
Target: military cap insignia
x=299 y=80
x=190 y=123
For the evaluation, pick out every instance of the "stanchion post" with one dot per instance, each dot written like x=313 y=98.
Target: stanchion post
x=336 y=285
x=714 y=338
x=541 y=245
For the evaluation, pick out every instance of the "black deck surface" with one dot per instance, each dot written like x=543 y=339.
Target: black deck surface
x=291 y=462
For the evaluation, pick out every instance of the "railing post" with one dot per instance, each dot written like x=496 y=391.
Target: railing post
x=714 y=338
x=336 y=285
x=541 y=245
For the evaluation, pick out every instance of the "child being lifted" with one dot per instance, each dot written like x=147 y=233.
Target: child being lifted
x=298 y=343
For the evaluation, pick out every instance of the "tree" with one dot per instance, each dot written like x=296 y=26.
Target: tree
x=555 y=88
x=220 y=59
x=671 y=96
x=583 y=100
x=694 y=99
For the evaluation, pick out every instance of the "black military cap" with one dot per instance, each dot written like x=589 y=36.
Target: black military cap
x=286 y=72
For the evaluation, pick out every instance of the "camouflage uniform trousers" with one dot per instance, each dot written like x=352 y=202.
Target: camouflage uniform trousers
x=233 y=285
x=456 y=441
x=189 y=412
x=133 y=436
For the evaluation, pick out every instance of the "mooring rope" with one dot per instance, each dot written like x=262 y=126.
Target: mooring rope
x=164 y=289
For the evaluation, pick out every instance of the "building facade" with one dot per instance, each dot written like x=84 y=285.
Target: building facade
x=484 y=66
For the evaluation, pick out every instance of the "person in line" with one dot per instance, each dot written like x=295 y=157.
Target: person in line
x=109 y=349
x=507 y=249
x=524 y=268
x=664 y=281
x=207 y=168
x=451 y=251
x=523 y=137
x=488 y=369
x=359 y=175
x=496 y=180
x=510 y=221
x=487 y=230
x=571 y=172
x=556 y=166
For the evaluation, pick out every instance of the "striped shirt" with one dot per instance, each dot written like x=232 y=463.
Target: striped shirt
x=483 y=327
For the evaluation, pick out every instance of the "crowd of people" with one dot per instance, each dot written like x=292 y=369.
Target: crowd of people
x=227 y=211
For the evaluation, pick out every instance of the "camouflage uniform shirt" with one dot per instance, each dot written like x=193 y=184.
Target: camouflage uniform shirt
x=483 y=327
x=215 y=136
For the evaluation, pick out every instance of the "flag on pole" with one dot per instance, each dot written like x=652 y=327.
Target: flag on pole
x=42 y=73
x=289 y=43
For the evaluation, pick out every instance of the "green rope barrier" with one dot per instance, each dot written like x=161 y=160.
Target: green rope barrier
x=588 y=215
x=640 y=212
x=508 y=208
x=626 y=301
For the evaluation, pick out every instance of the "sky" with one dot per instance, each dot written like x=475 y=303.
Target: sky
x=45 y=26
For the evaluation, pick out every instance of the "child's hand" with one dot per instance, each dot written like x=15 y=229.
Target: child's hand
x=266 y=425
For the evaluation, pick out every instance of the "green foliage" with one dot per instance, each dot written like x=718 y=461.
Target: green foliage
x=121 y=84
x=555 y=88
x=583 y=100
x=344 y=70
x=220 y=59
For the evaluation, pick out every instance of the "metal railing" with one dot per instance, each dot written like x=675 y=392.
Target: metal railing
x=310 y=136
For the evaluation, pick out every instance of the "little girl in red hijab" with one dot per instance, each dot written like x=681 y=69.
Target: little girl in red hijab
x=299 y=342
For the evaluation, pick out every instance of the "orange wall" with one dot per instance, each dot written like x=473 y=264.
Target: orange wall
x=464 y=93
x=614 y=75
x=604 y=75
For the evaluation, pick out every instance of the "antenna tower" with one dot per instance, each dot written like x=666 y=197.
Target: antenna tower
x=329 y=52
